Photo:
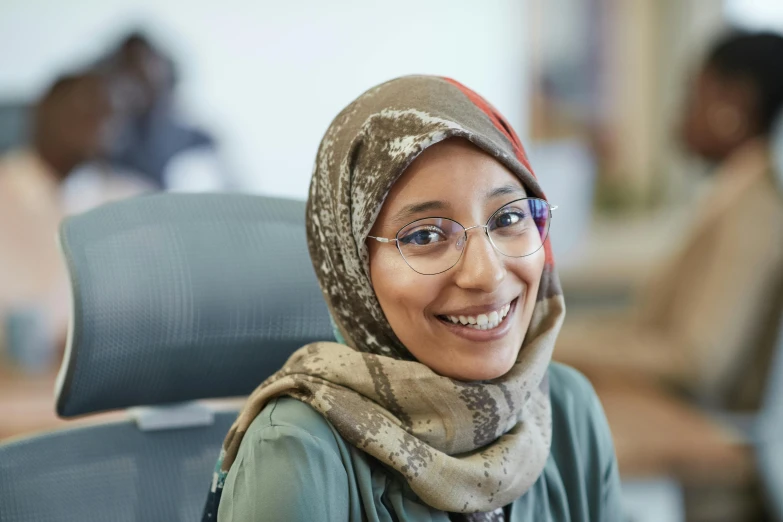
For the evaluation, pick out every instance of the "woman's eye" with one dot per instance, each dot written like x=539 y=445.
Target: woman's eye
x=507 y=219
x=423 y=237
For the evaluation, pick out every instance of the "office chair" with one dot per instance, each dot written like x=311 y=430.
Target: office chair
x=175 y=298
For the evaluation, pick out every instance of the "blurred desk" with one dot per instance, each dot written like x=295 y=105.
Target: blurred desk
x=656 y=434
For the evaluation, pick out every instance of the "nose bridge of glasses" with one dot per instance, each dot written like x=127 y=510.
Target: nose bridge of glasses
x=476 y=226
x=462 y=241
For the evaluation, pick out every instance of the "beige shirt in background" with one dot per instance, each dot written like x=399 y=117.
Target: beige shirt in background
x=708 y=319
x=32 y=205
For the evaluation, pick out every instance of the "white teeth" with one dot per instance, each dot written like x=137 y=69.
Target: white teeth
x=482 y=321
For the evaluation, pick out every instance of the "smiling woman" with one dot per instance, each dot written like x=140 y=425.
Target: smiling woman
x=428 y=233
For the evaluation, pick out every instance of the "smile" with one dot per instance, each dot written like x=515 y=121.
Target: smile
x=489 y=320
x=482 y=321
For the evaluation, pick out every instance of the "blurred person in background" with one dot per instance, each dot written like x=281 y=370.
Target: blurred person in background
x=71 y=124
x=708 y=320
x=152 y=139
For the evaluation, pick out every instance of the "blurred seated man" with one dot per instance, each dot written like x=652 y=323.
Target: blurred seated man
x=708 y=321
x=70 y=124
x=152 y=139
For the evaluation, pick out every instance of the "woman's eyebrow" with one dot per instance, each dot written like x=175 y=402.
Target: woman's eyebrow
x=506 y=190
x=408 y=211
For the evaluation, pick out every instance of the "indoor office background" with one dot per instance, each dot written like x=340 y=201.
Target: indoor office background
x=597 y=90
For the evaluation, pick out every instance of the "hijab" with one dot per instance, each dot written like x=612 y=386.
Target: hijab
x=480 y=445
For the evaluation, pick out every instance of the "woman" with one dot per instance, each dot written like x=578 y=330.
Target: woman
x=708 y=321
x=439 y=402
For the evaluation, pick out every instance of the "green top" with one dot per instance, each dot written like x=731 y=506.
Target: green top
x=293 y=466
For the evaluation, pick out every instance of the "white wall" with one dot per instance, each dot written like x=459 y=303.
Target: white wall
x=755 y=14
x=268 y=77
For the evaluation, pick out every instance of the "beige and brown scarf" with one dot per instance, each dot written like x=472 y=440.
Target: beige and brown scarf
x=464 y=447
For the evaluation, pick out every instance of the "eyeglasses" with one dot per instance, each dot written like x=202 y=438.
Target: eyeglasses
x=433 y=245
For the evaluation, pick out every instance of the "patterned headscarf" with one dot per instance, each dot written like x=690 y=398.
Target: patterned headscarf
x=481 y=445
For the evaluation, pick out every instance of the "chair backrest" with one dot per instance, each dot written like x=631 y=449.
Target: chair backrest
x=183 y=296
x=176 y=297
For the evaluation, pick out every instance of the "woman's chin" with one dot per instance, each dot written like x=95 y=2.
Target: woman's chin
x=477 y=368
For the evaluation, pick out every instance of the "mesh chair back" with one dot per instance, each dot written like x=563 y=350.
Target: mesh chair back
x=181 y=296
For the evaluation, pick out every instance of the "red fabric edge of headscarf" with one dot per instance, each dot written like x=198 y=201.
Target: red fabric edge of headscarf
x=498 y=121
x=502 y=125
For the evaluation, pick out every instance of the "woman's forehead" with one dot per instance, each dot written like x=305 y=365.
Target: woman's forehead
x=453 y=172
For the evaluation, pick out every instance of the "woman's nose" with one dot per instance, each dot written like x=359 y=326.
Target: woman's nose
x=480 y=267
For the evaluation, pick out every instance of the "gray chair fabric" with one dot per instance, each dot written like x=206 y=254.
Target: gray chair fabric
x=183 y=296
x=110 y=473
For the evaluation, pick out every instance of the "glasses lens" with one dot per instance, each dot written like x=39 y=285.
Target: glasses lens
x=520 y=228
x=431 y=245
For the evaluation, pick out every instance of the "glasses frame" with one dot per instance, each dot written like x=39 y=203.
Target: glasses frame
x=396 y=240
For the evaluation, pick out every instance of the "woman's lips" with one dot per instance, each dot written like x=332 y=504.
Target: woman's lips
x=487 y=327
x=485 y=321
